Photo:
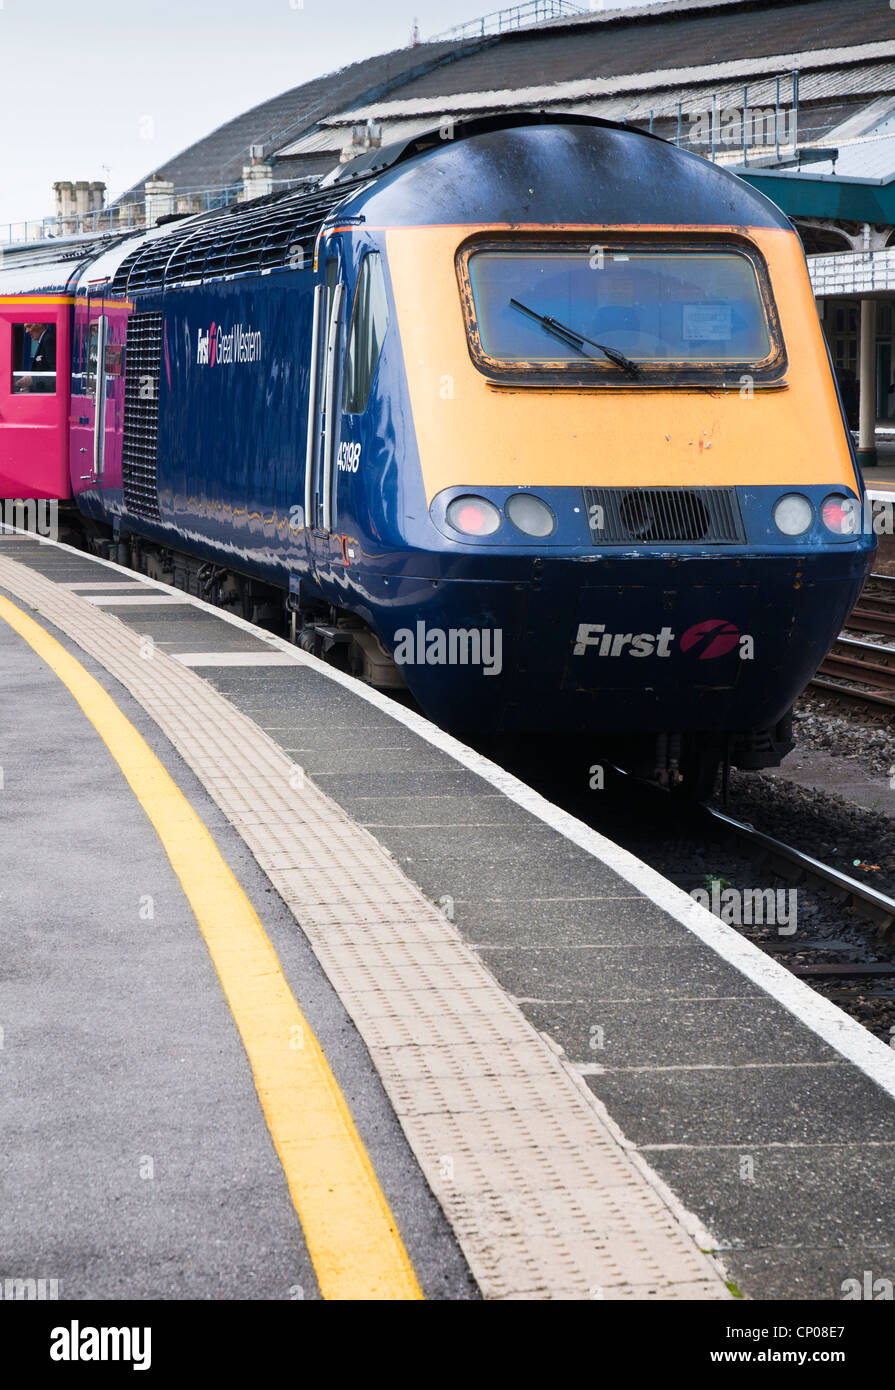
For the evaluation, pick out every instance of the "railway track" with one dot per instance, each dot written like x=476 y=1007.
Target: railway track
x=875 y=609
x=860 y=672
x=828 y=965
x=799 y=868
x=789 y=863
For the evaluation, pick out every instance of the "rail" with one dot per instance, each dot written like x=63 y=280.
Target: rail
x=792 y=864
x=867 y=902
x=868 y=667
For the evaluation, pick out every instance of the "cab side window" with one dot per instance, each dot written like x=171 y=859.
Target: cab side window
x=34 y=358
x=369 y=322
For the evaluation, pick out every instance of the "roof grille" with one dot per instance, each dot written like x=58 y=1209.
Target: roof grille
x=279 y=233
x=139 y=457
x=664 y=516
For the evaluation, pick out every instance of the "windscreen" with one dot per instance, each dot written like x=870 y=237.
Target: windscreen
x=653 y=306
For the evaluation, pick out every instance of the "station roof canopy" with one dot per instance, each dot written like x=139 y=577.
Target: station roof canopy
x=857 y=182
x=615 y=63
x=827 y=197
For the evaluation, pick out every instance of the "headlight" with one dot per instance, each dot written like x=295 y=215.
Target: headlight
x=473 y=516
x=793 y=514
x=530 y=514
x=841 y=515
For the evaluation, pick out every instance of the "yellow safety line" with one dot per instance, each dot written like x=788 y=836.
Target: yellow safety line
x=349 y=1229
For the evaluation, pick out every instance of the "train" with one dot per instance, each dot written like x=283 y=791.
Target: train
x=528 y=419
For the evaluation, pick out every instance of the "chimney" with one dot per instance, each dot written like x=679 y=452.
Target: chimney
x=159 y=194
x=365 y=136
x=257 y=177
x=65 y=208
x=76 y=204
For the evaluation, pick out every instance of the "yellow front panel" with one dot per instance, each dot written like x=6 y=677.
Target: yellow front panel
x=471 y=433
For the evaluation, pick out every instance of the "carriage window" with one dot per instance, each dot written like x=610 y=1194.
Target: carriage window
x=34 y=358
x=368 y=324
x=92 y=355
x=657 y=307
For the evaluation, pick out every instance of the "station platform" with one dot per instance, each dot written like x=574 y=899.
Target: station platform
x=302 y=998
x=882 y=473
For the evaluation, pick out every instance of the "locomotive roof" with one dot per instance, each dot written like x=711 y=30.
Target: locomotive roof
x=515 y=167
x=50 y=277
x=58 y=265
x=525 y=167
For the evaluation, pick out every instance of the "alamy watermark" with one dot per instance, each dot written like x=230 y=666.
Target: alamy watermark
x=453 y=646
x=868 y=1289
x=78 y=1342
x=751 y=906
x=874 y=517
x=39 y=1290
x=30 y=514
x=737 y=126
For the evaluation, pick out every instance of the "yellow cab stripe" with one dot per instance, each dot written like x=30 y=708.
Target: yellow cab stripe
x=469 y=433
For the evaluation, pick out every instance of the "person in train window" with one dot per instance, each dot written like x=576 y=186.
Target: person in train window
x=41 y=375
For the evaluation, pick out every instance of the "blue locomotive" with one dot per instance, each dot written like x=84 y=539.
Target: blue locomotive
x=532 y=415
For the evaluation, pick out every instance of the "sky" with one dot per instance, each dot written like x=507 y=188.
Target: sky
x=109 y=90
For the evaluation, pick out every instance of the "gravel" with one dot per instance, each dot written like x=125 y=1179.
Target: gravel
x=823 y=725
x=819 y=823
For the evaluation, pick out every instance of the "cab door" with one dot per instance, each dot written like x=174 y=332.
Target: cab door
x=34 y=401
x=324 y=416
x=91 y=404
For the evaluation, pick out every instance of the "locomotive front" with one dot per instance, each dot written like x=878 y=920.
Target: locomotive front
x=641 y=514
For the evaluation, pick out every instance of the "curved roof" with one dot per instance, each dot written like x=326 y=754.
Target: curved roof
x=552 y=169
x=55 y=267
x=51 y=278
x=613 y=44
x=218 y=158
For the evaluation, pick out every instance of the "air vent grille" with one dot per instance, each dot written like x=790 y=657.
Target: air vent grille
x=664 y=516
x=139 y=463
x=279 y=233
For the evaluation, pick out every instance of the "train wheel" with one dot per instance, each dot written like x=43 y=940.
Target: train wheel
x=699 y=775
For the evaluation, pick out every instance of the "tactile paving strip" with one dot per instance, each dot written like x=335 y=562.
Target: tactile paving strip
x=543 y=1197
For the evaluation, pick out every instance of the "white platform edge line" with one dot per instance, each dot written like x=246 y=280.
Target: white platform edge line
x=847 y=1037
x=235 y=658
x=97 y=585
x=106 y=600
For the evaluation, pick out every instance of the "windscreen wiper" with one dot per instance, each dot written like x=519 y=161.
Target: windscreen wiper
x=576 y=340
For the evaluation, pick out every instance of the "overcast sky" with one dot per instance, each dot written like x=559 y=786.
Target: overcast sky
x=110 y=89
